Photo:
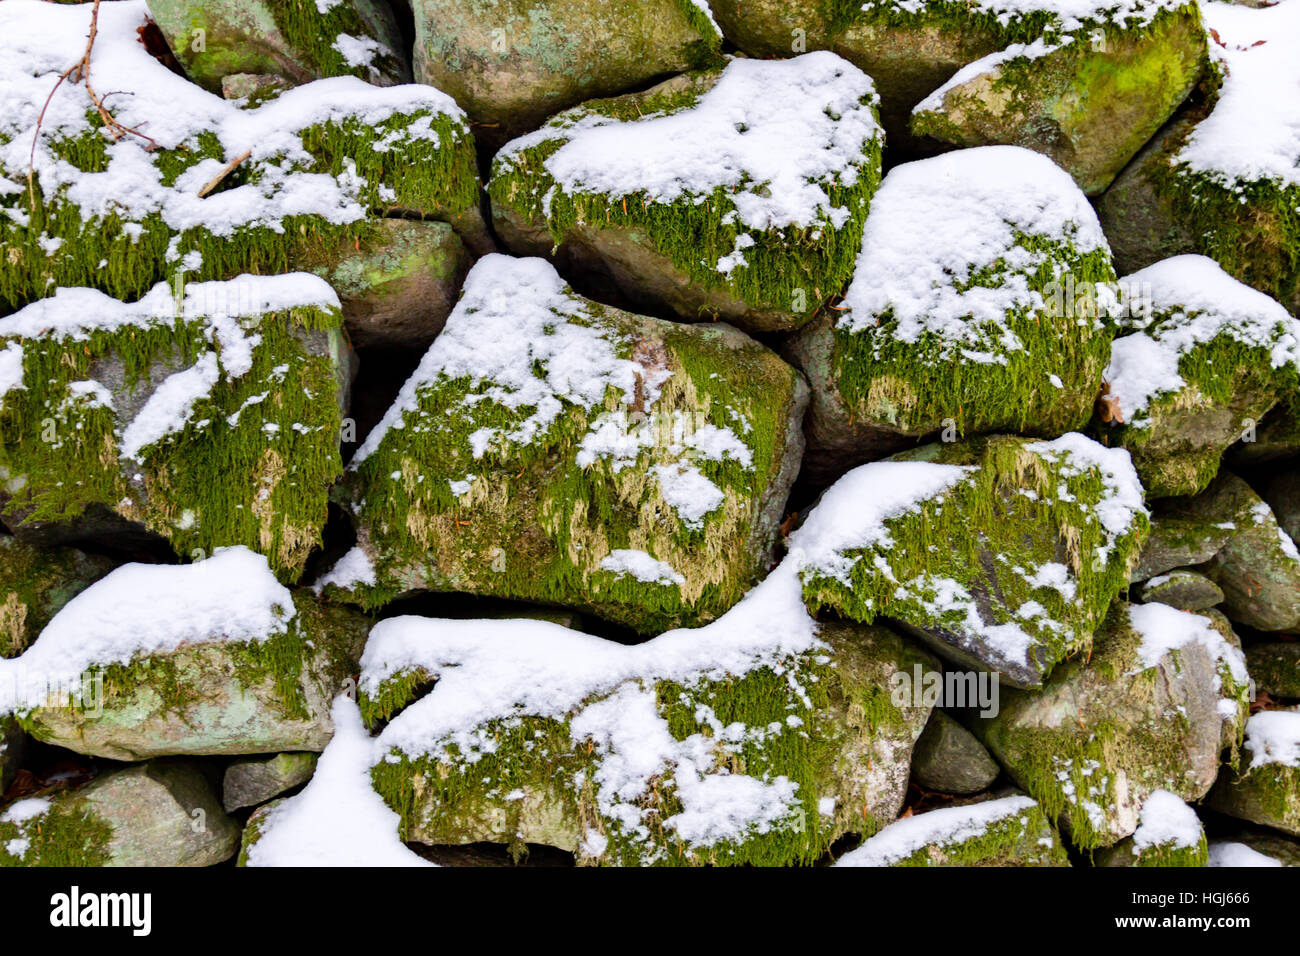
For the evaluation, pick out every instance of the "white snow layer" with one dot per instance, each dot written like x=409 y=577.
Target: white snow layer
x=1165 y=820
x=936 y=223
x=1164 y=629
x=1064 y=15
x=1273 y=737
x=945 y=827
x=1229 y=853
x=1253 y=132
x=142 y=609
x=773 y=133
x=1186 y=302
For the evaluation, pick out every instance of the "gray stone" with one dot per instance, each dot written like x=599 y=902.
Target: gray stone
x=248 y=783
x=948 y=758
x=1275 y=668
x=1183 y=589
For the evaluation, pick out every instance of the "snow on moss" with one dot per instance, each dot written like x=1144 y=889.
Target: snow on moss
x=1273 y=737
x=116 y=213
x=1188 y=306
x=1166 y=821
x=139 y=610
x=1023 y=19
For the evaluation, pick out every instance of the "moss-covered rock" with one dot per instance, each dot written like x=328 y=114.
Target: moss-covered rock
x=1255 y=848
x=1222 y=179
x=737 y=194
x=35 y=583
x=1089 y=100
x=1002 y=553
x=1180 y=538
x=1183 y=589
x=1161 y=695
x=512 y=63
x=397 y=285
x=1258 y=566
x=210 y=658
x=1207 y=357
x=252 y=781
x=1275 y=668
x=754 y=740
x=949 y=759
x=981 y=301
x=1011 y=831
x=555 y=450
x=300 y=40
x=211 y=419
x=202 y=187
x=912 y=48
x=162 y=813
x=1168 y=834
x=1264 y=785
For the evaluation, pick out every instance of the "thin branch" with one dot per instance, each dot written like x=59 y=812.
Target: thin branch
x=215 y=181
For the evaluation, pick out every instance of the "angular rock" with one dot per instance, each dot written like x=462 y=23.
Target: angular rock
x=1258 y=567
x=313 y=164
x=1168 y=834
x=1183 y=589
x=1161 y=695
x=737 y=194
x=211 y=421
x=398 y=286
x=948 y=758
x=512 y=64
x=162 y=813
x=754 y=740
x=299 y=40
x=1179 y=538
x=1264 y=785
x=554 y=450
x=214 y=657
x=1089 y=100
x=979 y=303
x=1275 y=668
x=1207 y=357
x=1222 y=179
x=1011 y=831
x=1003 y=554
x=35 y=584
x=254 y=781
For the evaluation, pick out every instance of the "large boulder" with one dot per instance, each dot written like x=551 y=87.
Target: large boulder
x=738 y=194
x=1159 y=698
x=211 y=420
x=1011 y=831
x=513 y=63
x=202 y=188
x=1222 y=179
x=981 y=301
x=215 y=657
x=1089 y=99
x=554 y=450
x=1002 y=553
x=162 y=813
x=757 y=739
x=1205 y=359
x=1115 y=72
x=297 y=40
x=1264 y=784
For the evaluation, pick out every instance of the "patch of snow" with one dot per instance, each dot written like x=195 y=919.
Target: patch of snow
x=1273 y=737
x=351 y=569
x=943 y=828
x=1229 y=853
x=641 y=566
x=1165 y=820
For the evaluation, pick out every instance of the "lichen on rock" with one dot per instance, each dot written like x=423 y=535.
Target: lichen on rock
x=554 y=450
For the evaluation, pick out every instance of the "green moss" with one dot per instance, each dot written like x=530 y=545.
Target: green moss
x=1011 y=841
x=217 y=482
x=312 y=34
x=126 y=258
x=782 y=267
x=1167 y=855
x=63 y=836
x=919 y=387
x=536 y=525
x=990 y=536
x=789 y=731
